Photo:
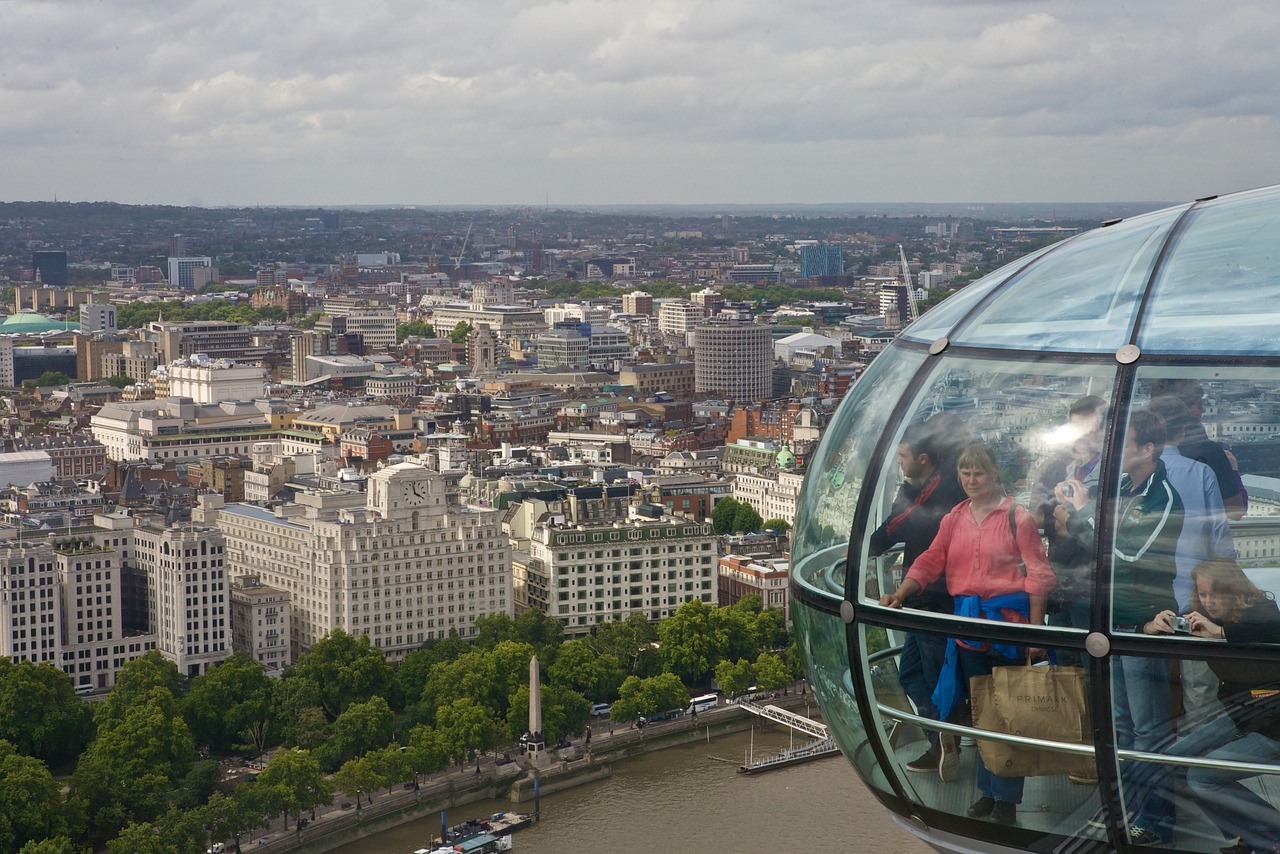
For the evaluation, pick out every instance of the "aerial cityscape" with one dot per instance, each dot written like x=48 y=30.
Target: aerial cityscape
x=441 y=427
x=245 y=456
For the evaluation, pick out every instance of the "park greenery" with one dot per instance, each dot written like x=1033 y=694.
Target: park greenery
x=136 y=314
x=415 y=328
x=143 y=766
x=731 y=516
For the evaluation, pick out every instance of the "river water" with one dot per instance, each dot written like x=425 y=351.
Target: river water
x=678 y=800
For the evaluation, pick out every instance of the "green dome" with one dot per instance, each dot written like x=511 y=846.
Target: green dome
x=25 y=322
x=786 y=459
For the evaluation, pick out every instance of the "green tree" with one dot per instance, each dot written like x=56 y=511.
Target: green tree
x=580 y=668
x=747 y=519
x=776 y=524
x=31 y=806
x=310 y=320
x=648 y=696
x=198 y=783
x=630 y=641
x=296 y=716
x=465 y=726
x=135 y=684
x=734 y=677
x=415 y=328
x=40 y=713
x=390 y=765
x=229 y=707
x=772 y=673
x=362 y=727
x=492 y=629
x=460 y=332
x=771 y=629
x=723 y=515
x=693 y=642
x=428 y=751
x=292 y=782
x=49 y=378
x=415 y=669
x=140 y=838
x=119 y=381
x=474 y=677
x=543 y=633
x=231 y=816
x=129 y=769
x=345 y=669
x=357 y=777
x=55 y=845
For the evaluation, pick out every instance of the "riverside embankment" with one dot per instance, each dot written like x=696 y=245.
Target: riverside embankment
x=335 y=826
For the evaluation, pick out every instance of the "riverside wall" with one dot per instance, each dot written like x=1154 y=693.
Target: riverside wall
x=337 y=827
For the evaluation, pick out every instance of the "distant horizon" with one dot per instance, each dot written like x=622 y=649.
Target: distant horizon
x=916 y=208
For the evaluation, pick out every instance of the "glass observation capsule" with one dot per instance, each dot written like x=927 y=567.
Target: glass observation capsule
x=1122 y=389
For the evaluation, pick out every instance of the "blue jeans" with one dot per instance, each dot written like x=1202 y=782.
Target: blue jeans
x=1235 y=809
x=918 y=668
x=1140 y=686
x=1199 y=741
x=1074 y=614
x=1007 y=789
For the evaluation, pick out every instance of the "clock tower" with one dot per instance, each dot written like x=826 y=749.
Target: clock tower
x=399 y=491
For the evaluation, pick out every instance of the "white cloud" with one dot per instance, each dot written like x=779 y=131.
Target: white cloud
x=616 y=101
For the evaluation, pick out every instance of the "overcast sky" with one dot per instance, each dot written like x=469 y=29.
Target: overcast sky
x=215 y=102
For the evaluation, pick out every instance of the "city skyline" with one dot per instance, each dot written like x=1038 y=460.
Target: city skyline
x=581 y=103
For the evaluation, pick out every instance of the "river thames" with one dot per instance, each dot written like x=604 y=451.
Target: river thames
x=678 y=799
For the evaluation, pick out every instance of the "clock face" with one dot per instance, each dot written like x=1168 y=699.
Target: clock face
x=414 y=494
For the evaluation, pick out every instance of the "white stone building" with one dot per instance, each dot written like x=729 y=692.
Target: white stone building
x=206 y=380
x=588 y=562
x=403 y=564
x=260 y=617
x=185 y=569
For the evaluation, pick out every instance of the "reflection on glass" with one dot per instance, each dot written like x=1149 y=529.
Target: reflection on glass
x=1053 y=802
x=1219 y=270
x=1093 y=285
x=1044 y=424
x=942 y=318
x=822 y=642
x=840 y=462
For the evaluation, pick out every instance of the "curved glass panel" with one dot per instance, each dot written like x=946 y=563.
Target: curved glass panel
x=824 y=511
x=938 y=772
x=1192 y=782
x=1215 y=290
x=1084 y=299
x=942 y=318
x=821 y=638
x=1043 y=422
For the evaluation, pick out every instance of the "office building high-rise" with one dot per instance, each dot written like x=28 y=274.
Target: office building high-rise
x=823 y=259
x=50 y=267
x=733 y=360
x=97 y=317
x=183 y=272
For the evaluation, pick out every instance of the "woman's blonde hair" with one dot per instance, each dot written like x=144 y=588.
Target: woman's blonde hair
x=978 y=456
x=1228 y=580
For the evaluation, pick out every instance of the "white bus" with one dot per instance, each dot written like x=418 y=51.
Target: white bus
x=701 y=704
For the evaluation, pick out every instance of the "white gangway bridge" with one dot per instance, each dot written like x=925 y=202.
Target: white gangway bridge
x=822 y=745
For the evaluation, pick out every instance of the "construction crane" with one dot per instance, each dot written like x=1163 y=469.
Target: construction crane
x=912 y=314
x=457 y=262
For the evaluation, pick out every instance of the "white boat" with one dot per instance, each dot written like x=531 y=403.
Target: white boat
x=482 y=844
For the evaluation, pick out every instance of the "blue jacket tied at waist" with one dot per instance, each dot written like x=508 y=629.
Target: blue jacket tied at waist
x=949 y=690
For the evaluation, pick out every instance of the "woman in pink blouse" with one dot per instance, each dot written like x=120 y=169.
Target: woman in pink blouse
x=995 y=566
